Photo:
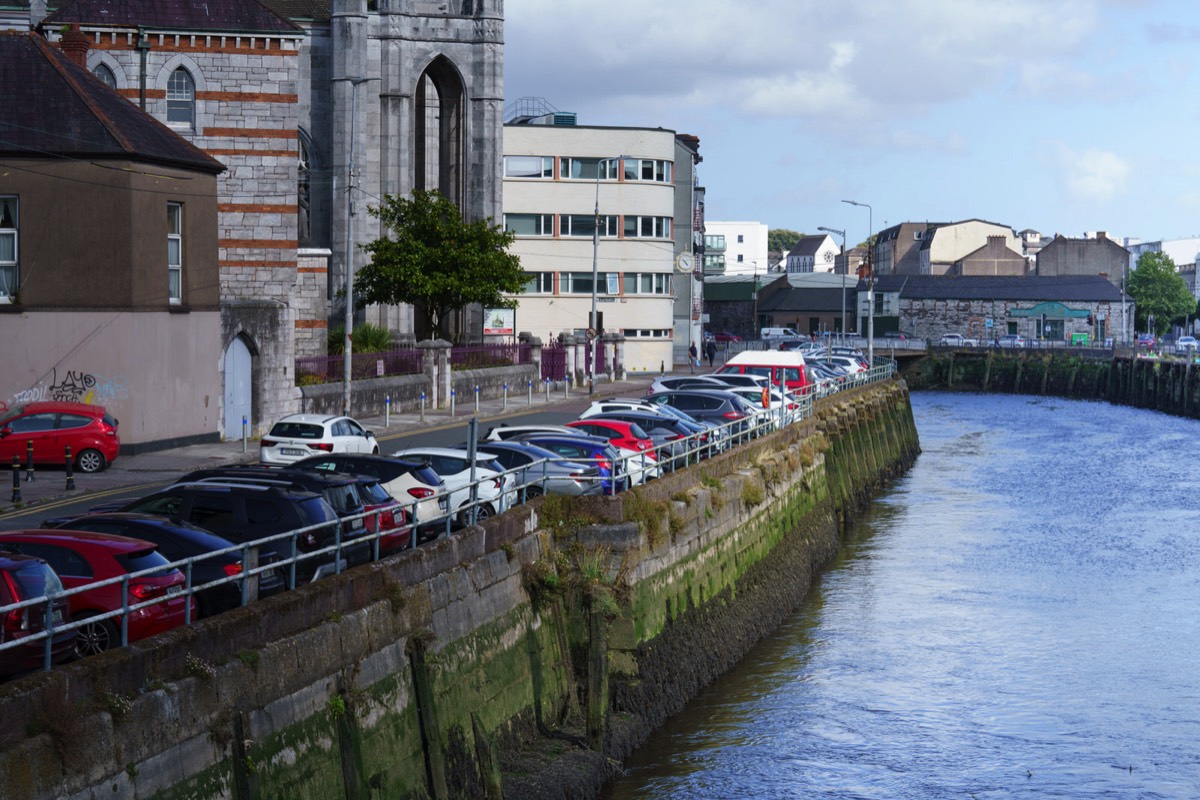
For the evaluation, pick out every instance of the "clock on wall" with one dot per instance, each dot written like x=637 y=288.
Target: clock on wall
x=683 y=264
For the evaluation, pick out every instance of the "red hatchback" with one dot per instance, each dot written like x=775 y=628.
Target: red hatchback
x=84 y=557
x=626 y=435
x=90 y=431
x=26 y=578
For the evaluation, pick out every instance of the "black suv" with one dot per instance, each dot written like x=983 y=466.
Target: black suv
x=245 y=512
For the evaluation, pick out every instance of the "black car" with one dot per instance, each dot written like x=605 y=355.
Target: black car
x=723 y=408
x=244 y=512
x=177 y=541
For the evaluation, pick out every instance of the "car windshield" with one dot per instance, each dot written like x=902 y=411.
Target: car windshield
x=637 y=432
x=297 y=430
x=36 y=579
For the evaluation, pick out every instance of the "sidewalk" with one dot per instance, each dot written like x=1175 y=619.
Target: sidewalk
x=50 y=482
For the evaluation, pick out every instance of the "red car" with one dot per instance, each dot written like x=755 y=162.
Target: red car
x=25 y=578
x=90 y=431
x=725 y=336
x=626 y=435
x=393 y=521
x=84 y=557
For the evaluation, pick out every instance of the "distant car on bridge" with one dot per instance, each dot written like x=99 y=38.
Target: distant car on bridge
x=957 y=340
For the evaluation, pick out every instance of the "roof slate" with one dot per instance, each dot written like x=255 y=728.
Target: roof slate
x=1078 y=288
x=54 y=107
x=191 y=15
x=807 y=300
x=316 y=10
x=808 y=245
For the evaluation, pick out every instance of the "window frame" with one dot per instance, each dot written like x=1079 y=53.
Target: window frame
x=13 y=234
x=179 y=100
x=539 y=283
x=175 y=238
x=545 y=169
x=543 y=224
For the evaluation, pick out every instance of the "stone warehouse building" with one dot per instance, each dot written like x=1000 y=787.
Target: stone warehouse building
x=287 y=94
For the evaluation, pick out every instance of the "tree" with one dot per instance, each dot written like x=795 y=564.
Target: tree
x=437 y=262
x=781 y=240
x=1159 y=291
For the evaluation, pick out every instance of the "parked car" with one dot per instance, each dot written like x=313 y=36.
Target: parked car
x=298 y=436
x=723 y=408
x=677 y=441
x=496 y=491
x=415 y=486
x=26 y=578
x=83 y=557
x=776 y=334
x=502 y=431
x=725 y=336
x=585 y=449
x=1186 y=344
x=1011 y=340
x=895 y=335
x=1147 y=340
x=711 y=436
x=249 y=512
x=177 y=541
x=957 y=340
x=628 y=436
x=540 y=471
x=783 y=367
x=670 y=383
x=90 y=431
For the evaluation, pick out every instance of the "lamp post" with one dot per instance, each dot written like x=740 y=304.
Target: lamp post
x=593 y=320
x=754 y=290
x=870 y=281
x=845 y=270
x=347 y=346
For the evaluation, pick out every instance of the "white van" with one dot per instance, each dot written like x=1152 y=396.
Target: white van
x=779 y=333
x=782 y=367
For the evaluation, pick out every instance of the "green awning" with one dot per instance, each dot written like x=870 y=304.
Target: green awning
x=1051 y=310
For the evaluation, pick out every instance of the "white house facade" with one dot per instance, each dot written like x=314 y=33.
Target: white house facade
x=745 y=245
x=555 y=179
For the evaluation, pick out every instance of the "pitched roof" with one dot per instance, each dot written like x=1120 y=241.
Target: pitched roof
x=316 y=10
x=808 y=245
x=53 y=107
x=1078 y=288
x=248 y=16
x=794 y=299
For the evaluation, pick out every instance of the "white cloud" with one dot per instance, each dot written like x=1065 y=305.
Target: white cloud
x=1091 y=174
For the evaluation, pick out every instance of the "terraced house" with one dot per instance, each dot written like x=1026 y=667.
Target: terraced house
x=288 y=95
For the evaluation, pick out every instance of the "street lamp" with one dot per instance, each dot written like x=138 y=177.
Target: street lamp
x=870 y=281
x=347 y=346
x=845 y=269
x=754 y=290
x=593 y=320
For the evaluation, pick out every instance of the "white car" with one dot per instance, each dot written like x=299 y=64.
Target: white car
x=504 y=432
x=781 y=408
x=1185 y=344
x=497 y=489
x=298 y=436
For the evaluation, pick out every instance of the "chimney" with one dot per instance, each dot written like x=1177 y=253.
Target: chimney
x=75 y=44
x=1104 y=275
x=1101 y=235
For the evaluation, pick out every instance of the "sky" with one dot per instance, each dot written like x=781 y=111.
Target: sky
x=1064 y=116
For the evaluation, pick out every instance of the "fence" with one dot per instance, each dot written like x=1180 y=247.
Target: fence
x=635 y=468
x=554 y=363
x=330 y=369
x=480 y=356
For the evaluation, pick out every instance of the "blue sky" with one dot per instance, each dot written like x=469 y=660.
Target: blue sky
x=1064 y=116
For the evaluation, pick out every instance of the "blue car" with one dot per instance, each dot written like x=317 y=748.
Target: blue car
x=588 y=450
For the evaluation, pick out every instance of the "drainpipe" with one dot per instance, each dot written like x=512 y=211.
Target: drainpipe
x=143 y=46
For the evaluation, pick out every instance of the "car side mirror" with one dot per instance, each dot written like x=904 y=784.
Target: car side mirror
x=5 y=432
x=369 y=434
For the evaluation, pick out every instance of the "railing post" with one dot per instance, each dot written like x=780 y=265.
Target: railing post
x=16 y=492
x=70 y=474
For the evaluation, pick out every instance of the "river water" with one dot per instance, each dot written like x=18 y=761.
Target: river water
x=1016 y=617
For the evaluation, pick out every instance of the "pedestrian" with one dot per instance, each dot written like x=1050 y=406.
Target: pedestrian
x=693 y=357
x=710 y=350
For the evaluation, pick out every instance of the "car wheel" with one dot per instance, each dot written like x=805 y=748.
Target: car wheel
x=482 y=512
x=96 y=637
x=90 y=461
x=533 y=491
x=375 y=450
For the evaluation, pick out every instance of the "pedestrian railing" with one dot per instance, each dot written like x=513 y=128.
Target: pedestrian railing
x=347 y=550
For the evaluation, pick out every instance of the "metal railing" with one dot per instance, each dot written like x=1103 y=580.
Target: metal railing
x=330 y=369
x=499 y=354
x=349 y=550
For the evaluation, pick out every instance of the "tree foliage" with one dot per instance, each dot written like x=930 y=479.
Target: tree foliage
x=436 y=261
x=1159 y=291
x=781 y=240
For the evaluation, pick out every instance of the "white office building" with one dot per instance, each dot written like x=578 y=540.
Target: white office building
x=560 y=181
x=742 y=246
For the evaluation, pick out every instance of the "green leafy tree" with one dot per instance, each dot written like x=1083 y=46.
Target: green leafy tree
x=781 y=240
x=1159 y=292
x=436 y=261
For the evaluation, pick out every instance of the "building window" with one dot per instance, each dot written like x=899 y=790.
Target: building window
x=530 y=224
x=647 y=283
x=585 y=225
x=647 y=227
x=740 y=258
x=528 y=167
x=175 y=252
x=539 y=283
x=8 y=247
x=586 y=169
x=643 y=333
x=647 y=169
x=581 y=283
x=106 y=76
x=181 y=98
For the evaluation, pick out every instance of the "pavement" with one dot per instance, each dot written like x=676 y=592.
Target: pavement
x=127 y=471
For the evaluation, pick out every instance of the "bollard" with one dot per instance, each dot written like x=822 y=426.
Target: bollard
x=245 y=431
x=387 y=410
x=70 y=474
x=530 y=382
x=476 y=401
x=547 y=393
x=16 y=493
x=452 y=402
x=29 y=461
x=505 y=407
x=422 y=408
x=566 y=389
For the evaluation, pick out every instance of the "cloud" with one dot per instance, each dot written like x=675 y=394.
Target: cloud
x=1091 y=174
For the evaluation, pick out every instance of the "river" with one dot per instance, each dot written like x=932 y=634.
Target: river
x=1015 y=617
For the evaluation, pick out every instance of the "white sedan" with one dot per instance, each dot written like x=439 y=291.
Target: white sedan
x=497 y=488
x=298 y=436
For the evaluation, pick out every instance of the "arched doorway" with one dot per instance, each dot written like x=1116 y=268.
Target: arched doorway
x=238 y=373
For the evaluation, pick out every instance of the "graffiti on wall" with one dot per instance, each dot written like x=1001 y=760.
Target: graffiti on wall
x=76 y=386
